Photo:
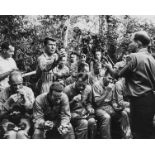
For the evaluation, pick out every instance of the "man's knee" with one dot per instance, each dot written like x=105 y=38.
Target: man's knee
x=70 y=134
x=103 y=115
x=22 y=134
x=10 y=134
x=125 y=114
x=91 y=122
x=83 y=123
x=38 y=134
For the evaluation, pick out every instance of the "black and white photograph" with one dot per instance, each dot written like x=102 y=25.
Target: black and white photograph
x=77 y=77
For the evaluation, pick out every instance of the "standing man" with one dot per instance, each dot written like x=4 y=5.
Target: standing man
x=139 y=73
x=7 y=64
x=46 y=62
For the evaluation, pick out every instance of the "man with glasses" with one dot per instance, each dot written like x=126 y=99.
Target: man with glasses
x=16 y=103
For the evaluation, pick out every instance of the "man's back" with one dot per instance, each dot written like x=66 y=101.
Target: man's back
x=141 y=73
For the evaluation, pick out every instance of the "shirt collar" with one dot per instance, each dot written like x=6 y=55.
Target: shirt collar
x=143 y=50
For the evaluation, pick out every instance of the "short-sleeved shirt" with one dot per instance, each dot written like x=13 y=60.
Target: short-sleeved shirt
x=139 y=73
x=5 y=66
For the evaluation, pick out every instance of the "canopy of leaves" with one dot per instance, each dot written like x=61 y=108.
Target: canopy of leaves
x=112 y=34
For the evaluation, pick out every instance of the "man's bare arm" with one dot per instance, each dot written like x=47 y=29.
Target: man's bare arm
x=4 y=75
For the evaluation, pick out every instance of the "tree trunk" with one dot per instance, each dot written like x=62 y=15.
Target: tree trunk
x=103 y=28
x=67 y=24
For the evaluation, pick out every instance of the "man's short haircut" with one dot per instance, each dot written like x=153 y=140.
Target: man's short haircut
x=48 y=39
x=5 y=46
x=74 y=53
x=14 y=73
x=132 y=47
x=56 y=86
x=83 y=76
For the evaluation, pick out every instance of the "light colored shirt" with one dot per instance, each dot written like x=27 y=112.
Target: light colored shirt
x=46 y=64
x=6 y=65
x=92 y=78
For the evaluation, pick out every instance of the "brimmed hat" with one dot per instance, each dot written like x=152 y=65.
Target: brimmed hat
x=143 y=37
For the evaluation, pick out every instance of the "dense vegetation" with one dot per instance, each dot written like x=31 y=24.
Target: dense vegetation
x=108 y=33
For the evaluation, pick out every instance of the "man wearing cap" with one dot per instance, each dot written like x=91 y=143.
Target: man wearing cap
x=52 y=114
x=7 y=64
x=139 y=73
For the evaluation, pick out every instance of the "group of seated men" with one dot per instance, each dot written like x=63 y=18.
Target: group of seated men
x=74 y=100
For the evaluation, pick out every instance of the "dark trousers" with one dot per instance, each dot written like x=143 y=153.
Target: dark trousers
x=84 y=128
x=142 y=113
